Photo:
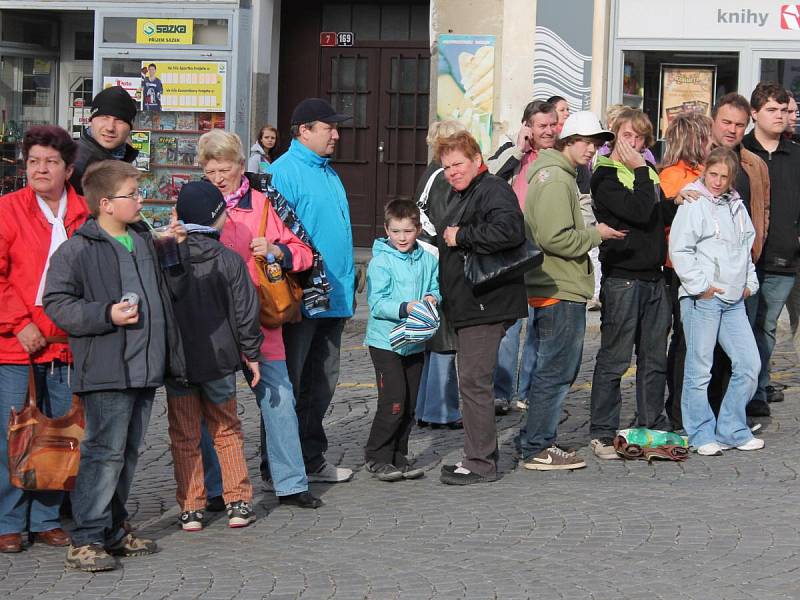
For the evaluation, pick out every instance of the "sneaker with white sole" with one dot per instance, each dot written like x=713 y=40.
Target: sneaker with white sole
x=191 y=520
x=240 y=514
x=327 y=473
x=91 y=558
x=604 y=448
x=501 y=407
x=710 y=449
x=521 y=404
x=554 y=459
x=754 y=444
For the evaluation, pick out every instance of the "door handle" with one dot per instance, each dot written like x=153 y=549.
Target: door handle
x=380 y=151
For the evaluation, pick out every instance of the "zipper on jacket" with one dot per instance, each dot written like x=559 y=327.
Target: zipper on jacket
x=149 y=321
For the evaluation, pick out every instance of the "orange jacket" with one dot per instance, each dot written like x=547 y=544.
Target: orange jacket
x=673 y=178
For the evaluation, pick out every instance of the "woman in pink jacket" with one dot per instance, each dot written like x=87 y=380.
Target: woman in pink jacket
x=221 y=155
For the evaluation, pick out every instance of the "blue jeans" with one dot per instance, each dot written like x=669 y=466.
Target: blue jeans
x=508 y=384
x=437 y=400
x=21 y=510
x=116 y=422
x=772 y=295
x=212 y=471
x=705 y=322
x=282 y=455
x=559 y=330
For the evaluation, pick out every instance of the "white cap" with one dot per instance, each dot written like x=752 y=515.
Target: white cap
x=585 y=123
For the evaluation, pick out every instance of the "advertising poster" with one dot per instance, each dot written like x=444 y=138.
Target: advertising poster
x=132 y=85
x=685 y=88
x=141 y=141
x=465 y=88
x=185 y=86
x=164 y=31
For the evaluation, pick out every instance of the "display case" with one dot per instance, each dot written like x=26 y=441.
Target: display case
x=12 y=174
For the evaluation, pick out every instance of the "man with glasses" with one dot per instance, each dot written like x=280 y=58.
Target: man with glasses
x=313 y=189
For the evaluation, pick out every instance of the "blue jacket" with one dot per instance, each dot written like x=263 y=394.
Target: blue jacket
x=393 y=279
x=315 y=192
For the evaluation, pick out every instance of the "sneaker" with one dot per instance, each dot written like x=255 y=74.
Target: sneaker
x=240 y=514
x=566 y=449
x=133 y=545
x=553 y=459
x=501 y=406
x=604 y=448
x=410 y=472
x=215 y=504
x=462 y=476
x=754 y=444
x=758 y=408
x=751 y=423
x=191 y=520
x=385 y=471
x=774 y=394
x=92 y=557
x=521 y=404
x=329 y=474
x=710 y=449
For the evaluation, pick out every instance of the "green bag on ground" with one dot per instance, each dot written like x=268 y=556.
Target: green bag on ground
x=652 y=438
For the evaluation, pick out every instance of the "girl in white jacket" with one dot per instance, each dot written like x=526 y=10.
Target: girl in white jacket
x=709 y=244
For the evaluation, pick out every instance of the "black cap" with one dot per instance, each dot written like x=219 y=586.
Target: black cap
x=200 y=203
x=116 y=102
x=316 y=109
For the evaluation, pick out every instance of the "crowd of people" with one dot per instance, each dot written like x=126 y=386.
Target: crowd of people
x=690 y=261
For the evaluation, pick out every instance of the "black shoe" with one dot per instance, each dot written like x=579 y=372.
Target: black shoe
x=215 y=504
x=453 y=478
x=410 y=472
x=453 y=425
x=774 y=394
x=421 y=423
x=301 y=500
x=449 y=468
x=758 y=408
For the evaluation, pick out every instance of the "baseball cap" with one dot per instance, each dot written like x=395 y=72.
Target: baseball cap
x=585 y=123
x=316 y=109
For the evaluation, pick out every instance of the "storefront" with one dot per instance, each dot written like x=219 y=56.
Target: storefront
x=188 y=68
x=666 y=57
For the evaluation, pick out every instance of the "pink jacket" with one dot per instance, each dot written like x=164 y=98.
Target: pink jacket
x=242 y=226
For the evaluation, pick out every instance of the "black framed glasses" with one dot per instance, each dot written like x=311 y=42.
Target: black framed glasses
x=132 y=196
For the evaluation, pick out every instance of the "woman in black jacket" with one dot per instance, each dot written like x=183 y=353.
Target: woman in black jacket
x=482 y=216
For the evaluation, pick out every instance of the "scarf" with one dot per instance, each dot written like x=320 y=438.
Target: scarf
x=118 y=153
x=58 y=235
x=520 y=184
x=232 y=199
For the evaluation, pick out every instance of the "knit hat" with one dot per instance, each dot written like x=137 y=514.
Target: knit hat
x=115 y=102
x=199 y=203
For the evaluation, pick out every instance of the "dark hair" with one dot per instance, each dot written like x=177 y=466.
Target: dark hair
x=399 y=209
x=556 y=99
x=733 y=99
x=103 y=179
x=766 y=91
x=152 y=65
x=562 y=143
x=50 y=136
x=536 y=107
x=294 y=130
x=261 y=131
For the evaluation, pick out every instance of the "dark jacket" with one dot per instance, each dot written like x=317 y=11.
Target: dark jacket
x=491 y=221
x=84 y=280
x=219 y=316
x=89 y=151
x=632 y=203
x=781 y=249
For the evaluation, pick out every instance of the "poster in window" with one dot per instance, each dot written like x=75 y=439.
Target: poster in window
x=183 y=86
x=685 y=88
x=140 y=140
x=465 y=88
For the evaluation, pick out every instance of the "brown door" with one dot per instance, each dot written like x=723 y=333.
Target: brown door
x=382 y=151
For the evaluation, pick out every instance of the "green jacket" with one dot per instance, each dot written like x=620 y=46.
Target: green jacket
x=553 y=220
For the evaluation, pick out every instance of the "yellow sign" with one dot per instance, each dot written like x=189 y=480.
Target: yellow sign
x=185 y=86
x=164 y=31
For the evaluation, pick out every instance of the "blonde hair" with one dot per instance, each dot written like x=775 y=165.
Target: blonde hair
x=727 y=157
x=104 y=179
x=444 y=128
x=639 y=121
x=612 y=112
x=687 y=138
x=219 y=145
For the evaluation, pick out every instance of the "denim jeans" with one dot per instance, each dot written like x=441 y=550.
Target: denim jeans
x=508 y=383
x=705 y=322
x=21 y=510
x=559 y=330
x=312 y=358
x=772 y=296
x=635 y=314
x=212 y=471
x=116 y=422
x=281 y=456
x=437 y=401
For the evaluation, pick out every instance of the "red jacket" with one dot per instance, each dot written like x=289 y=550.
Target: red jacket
x=24 y=243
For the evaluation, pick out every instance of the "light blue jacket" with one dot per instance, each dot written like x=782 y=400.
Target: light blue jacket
x=315 y=192
x=709 y=244
x=395 y=277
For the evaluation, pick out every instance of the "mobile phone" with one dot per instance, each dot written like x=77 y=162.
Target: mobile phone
x=132 y=298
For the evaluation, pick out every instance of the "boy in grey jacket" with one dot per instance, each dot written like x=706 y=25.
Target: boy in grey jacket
x=122 y=352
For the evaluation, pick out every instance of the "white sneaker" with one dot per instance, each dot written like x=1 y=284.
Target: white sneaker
x=710 y=449
x=753 y=444
x=330 y=474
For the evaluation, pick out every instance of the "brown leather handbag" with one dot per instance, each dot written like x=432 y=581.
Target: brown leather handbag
x=279 y=300
x=44 y=452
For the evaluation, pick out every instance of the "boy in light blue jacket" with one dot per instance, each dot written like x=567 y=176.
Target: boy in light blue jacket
x=400 y=275
x=710 y=246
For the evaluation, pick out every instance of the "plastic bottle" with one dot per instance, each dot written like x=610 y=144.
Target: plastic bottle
x=274 y=271
x=652 y=438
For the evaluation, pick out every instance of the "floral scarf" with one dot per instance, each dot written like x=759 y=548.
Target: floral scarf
x=232 y=199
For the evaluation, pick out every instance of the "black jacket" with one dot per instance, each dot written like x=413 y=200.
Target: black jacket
x=83 y=281
x=491 y=221
x=641 y=254
x=781 y=251
x=89 y=151
x=219 y=316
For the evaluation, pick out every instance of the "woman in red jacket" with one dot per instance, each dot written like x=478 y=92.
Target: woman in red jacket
x=34 y=221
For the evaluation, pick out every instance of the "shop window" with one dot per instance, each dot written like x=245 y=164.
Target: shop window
x=23 y=28
x=378 y=22
x=84 y=45
x=205 y=32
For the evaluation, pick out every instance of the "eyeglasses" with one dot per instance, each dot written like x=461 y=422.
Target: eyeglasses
x=132 y=196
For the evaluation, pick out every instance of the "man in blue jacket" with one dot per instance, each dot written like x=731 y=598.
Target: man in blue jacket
x=313 y=189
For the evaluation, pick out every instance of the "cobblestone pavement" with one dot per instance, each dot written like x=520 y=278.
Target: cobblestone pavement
x=711 y=528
